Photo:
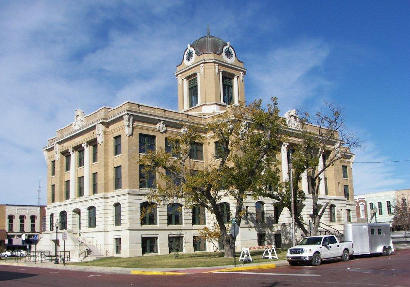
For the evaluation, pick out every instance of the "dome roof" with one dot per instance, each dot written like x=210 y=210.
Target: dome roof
x=208 y=45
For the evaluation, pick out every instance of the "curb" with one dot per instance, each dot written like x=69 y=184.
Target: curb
x=245 y=268
x=141 y=272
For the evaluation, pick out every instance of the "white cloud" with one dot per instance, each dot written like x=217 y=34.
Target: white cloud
x=290 y=73
x=369 y=176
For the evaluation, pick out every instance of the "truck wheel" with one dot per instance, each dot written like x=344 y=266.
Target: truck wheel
x=345 y=255
x=316 y=260
x=385 y=251
x=389 y=251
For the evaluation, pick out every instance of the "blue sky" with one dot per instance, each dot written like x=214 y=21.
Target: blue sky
x=56 y=56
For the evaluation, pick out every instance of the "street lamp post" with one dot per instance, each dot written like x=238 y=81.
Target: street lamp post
x=292 y=206
x=55 y=250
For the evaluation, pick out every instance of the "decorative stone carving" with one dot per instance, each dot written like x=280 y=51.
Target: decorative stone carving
x=99 y=131
x=128 y=121
x=56 y=152
x=79 y=119
x=216 y=69
x=201 y=68
x=292 y=120
x=161 y=127
x=184 y=130
x=241 y=77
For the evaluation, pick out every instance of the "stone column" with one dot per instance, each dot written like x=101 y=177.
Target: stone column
x=235 y=91
x=186 y=100
x=72 y=173
x=198 y=78
x=285 y=166
x=322 y=186
x=221 y=87
x=305 y=184
x=86 y=169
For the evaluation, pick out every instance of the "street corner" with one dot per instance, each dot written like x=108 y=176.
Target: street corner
x=156 y=273
x=246 y=268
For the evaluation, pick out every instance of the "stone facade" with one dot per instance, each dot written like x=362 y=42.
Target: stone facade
x=93 y=169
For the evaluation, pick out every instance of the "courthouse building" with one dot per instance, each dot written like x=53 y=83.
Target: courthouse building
x=97 y=192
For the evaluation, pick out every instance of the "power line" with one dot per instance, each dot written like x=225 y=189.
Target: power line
x=386 y=161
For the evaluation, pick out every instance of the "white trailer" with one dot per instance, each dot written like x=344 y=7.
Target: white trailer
x=369 y=238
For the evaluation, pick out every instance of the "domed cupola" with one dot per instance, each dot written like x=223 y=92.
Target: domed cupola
x=210 y=76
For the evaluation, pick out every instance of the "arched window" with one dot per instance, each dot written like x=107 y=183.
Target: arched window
x=148 y=212
x=174 y=212
x=260 y=212
x=225 y=209
x=22 y=219
x=11 y=223
x=332 y=210
x=33 y=223
x=51 y=221
x=63 y=220
x=117 y=214
x=92 y=212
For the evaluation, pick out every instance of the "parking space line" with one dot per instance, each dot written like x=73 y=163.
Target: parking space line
x=270 y=274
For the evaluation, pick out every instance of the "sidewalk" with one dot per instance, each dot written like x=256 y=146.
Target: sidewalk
x=151 y=271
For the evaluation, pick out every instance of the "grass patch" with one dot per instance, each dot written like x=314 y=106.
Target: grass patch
x=182 y=260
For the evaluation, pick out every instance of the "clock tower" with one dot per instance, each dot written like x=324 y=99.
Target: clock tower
x=210 y=77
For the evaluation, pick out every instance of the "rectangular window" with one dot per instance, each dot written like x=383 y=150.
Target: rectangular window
x=53 y=168
x=149 y=245
x=95 y=178
x=22 y=219
x=117 y=145
x=175 y=244
x=80 y=158
x=344 y=171
x=198 y=215
x=11 y=222
x=147 y=143
x=117 y=177
x=67 y=189
x=53 y=193
x=380 y=207
x=199 y=243
x=348 y=215
x=196 y=151
x=389 y=210
x=372 y=231
x=171 y=146
x=219 y=149
x=371 y=206
x=147 y=177
x=33 y=223
x=346 y=191
x=326 y=189
x=227 y=90
x=95 y=153
x=379 y=231
x=261 y=239
x=67 y=162
x=311 y=184
x=80 y=186
x=193 y=92
x=117 y=245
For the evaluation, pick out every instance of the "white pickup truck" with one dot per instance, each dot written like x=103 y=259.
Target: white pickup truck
x=314 y=249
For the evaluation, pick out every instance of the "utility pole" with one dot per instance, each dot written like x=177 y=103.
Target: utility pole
x=292 y=206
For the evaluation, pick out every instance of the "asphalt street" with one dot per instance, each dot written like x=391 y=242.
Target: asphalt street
x=366 y=271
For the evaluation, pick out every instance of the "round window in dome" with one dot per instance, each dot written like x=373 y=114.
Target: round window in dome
x=228 y=54
x=189 y=55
